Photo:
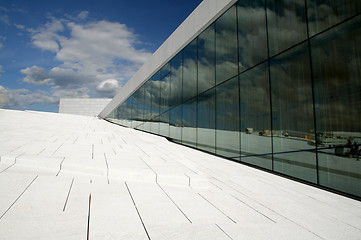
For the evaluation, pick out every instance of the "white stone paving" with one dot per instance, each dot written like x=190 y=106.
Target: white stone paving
x=74 y=177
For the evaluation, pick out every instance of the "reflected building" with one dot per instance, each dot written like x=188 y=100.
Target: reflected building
x=271 y=84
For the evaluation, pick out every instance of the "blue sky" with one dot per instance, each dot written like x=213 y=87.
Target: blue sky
x=69 y=48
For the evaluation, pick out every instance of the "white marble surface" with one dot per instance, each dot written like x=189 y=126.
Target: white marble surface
x=74 y=177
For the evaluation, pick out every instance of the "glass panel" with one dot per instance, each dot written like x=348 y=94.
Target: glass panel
x=264 y=161
x=118 y=114
x=292 y=104
x=176 y=81
x=164 y=71
x=175 y=124
x=292 y=112
x=147 y=104
x=132 y=110
x=206 y=59
x=190 y=70
x=135 y=109
x=297 y=164
x=147 y=125
x=226 y=46
x=128 y=111
x=252 y=35
x=164 y=93
x=227 y=119
x=155 y=94
x=140 y=104
x=154 y=125
x=164 y=124
x=256 y=116
x=325 y=13
x=286 y=24
x=336 y=63
x=189 y=130
x=206 y=121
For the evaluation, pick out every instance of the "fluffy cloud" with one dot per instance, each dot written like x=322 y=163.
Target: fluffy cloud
x=3 y=97
x=96 y=57
x=58 y=77
x=36 y=76
x=70 y=93
x=22 y=98
x=108 y=87
x=47 y=37
x=19 y=26
x=101 y=49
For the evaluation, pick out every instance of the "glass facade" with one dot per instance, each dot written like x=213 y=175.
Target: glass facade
x=273 y=84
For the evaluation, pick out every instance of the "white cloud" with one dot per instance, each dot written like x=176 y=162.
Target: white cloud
x=36 y=76
x=96 y=43
x=70 y=93
x=108 y=88
x=69 y=78
x=82 y=15
x=22 y=98
x=107 y=85
x=59 y=77
x=102 y=39
x=5 y=19
x=19 y=26
x=1 y=70
x=47 y=36
x=3 y=97
x=96 y=55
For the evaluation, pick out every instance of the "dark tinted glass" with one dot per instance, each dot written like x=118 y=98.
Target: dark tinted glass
x=175 y=123
x=336 y=62
x=292 y=102
x=206 y=121
x=252 y=33
x=325 y=13
x=227 y=118
x=135 y=109
x=176 y=80
x=140 y=101
x=190 y=70
x=147 y=100
x=155 y=95
x=226 y=46
x=286 y=24
x=189 y=130
x=292 y=113
x=206 y=59
x=164 y=124
x=164 y=93
x=128 y=109
x=255 y=115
